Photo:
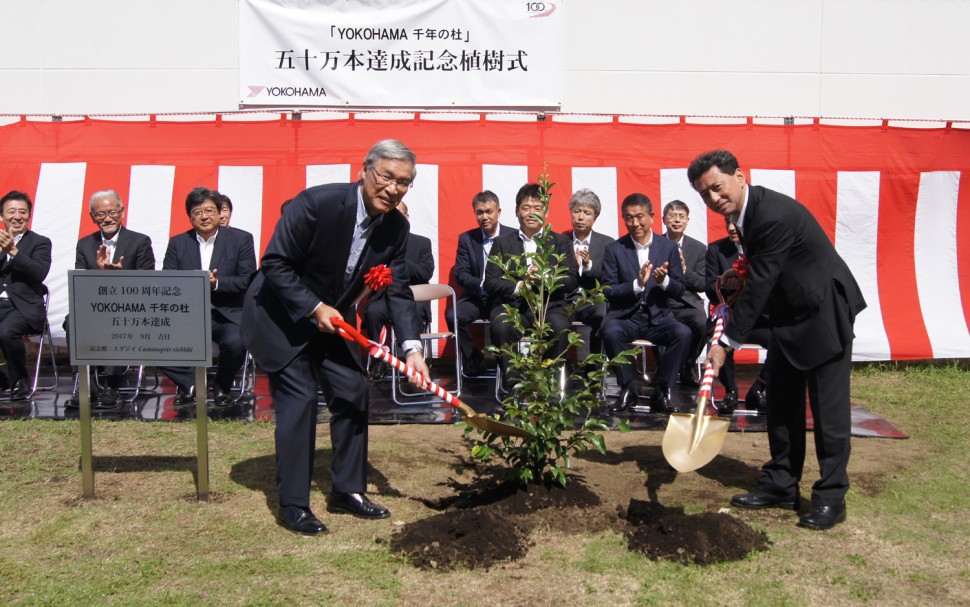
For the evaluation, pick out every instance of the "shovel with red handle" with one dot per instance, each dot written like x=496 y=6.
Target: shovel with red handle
x=479 y=420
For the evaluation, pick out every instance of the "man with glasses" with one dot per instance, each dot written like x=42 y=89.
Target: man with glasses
x=111 y=247
x=229 y=257
x=688 y=307
x=312 y=273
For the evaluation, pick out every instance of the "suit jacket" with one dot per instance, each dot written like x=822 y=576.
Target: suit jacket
x=469 y=267
x=796 y=275
x=621 y=267
x=233 y=256
x=419 y=260
x=694 y=279
x=721 y=255
x=23 y=277
x=135 y=247
x=304 y=265
x=501 y=290
x=597 y=248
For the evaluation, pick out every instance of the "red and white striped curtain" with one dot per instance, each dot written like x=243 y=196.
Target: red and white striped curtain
x=895 y=201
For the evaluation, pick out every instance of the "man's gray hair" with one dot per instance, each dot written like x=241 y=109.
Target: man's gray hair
x=391 y=149
x=586 y=198
x=103 y=194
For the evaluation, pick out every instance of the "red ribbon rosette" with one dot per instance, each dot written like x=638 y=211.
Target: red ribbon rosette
x=378 y=278
x=741 y=267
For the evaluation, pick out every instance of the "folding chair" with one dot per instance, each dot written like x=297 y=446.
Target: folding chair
x=44 y=337
x=429 y=292
x=487 y=334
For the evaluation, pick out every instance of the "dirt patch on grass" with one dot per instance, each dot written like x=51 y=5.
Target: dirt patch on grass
x=488 y=522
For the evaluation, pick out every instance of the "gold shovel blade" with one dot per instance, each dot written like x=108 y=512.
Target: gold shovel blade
x=692 y=440
x=493 y=426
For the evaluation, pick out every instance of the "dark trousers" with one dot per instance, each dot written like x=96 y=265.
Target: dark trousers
x=377 y=315
x=828 y=396
x=695 y=320
x=504 y=332
x=232 y=355
x=758 y=335
x=592 y=315
x=13 y=328
x=665 y=331
x=294 y=392
x=467 y=311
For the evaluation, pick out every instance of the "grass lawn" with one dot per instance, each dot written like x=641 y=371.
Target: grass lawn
x=145 y=541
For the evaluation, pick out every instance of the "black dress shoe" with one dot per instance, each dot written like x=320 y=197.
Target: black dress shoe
x=689 y=376
x=628 y=398
x=660 y=401
x=356 y=504
x=823 y=517
x=221 y=399
x=20 y=390
x=756 y=399
x=299 y=520
x=729 y=403
x=474 y=367
x=757 y=500
x=107 y=398
x=183 y=398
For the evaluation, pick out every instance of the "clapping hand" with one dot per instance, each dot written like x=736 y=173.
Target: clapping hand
x=104 y=262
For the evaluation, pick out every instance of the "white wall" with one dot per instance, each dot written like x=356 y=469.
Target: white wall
x=856 y=58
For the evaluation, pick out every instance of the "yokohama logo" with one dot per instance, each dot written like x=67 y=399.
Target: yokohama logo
x=287 y=91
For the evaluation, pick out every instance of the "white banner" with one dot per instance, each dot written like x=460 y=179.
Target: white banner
x=401 y=53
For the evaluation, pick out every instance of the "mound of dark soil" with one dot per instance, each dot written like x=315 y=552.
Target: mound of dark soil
x=703 y=539
x=489 y=522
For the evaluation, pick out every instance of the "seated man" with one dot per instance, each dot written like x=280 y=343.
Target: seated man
x=25 y=259
x=225 y=208
x=643 y=271
x=229 y=257
x=420 y=265
x=721 y=255
x=502 y=290
x=688 y=307
x=111 y=247
x=588 y=247
x=474 y=247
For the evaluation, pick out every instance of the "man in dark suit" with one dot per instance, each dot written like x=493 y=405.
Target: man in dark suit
x=689 y=307
x=474 y=247
x=812 y=300
x=312 y=272
x=111 y=247
x=229 y=257
x=420 y=268
x=643 y=272
x=503 y=290
x=588 y=248
x=25 y=259
x=721 y=256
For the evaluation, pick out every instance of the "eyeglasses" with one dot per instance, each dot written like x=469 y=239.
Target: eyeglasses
x=208 y=211
x=386 y=180
x=102 y=215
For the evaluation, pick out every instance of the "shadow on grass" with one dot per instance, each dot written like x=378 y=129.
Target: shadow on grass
x=259 y=474
x=144 y=463
x=651 y=462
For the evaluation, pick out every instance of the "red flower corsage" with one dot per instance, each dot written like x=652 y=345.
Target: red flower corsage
x=741 y=267
x=378 y=278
